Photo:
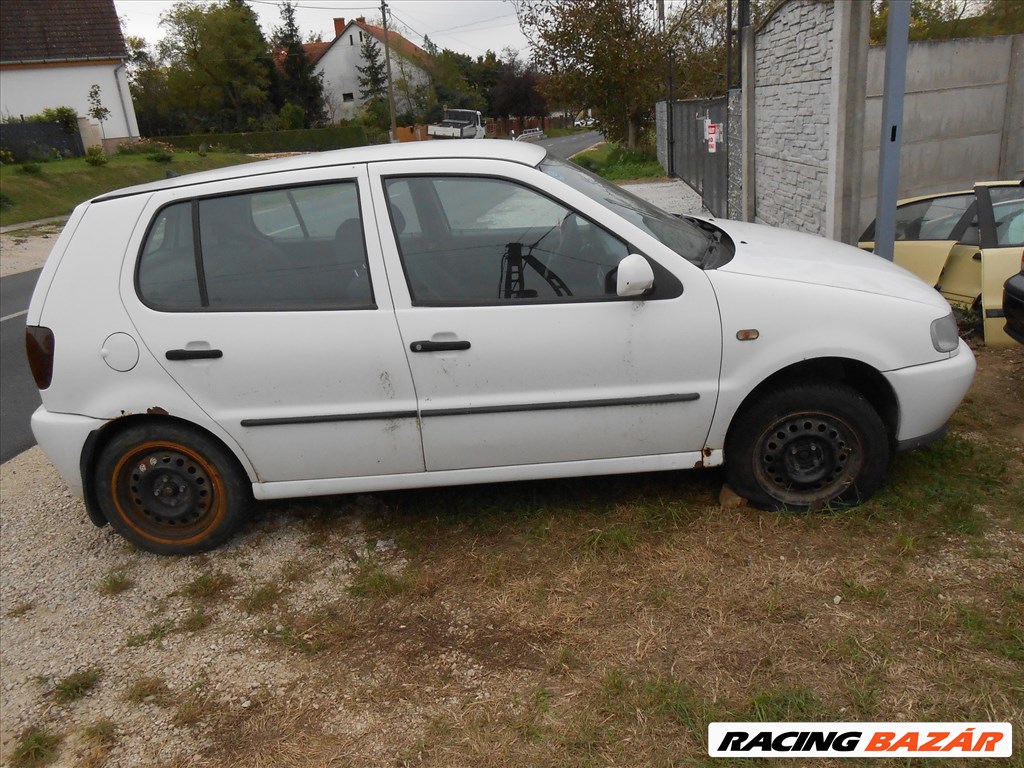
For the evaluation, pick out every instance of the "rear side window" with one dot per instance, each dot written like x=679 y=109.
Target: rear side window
x=285 y=249
x=1008 y=209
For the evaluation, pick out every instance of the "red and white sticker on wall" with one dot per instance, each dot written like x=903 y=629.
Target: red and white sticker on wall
x=860 y=740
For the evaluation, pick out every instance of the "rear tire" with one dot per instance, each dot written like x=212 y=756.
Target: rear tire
x=170 y=489
x=807 y=447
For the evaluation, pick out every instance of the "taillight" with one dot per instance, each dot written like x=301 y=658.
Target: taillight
x=39 y=345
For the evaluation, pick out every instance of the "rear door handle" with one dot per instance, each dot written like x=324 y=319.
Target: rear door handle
x=438 y=346
x=193 y=354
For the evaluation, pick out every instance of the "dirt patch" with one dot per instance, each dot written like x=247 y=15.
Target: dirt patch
x=24 y=250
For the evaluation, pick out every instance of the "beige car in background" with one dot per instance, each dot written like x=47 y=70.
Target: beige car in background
x=964 y=243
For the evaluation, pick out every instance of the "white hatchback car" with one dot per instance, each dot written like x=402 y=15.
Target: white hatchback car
x=461 y=312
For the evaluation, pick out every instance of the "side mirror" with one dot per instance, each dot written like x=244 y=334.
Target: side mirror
x=634 y=276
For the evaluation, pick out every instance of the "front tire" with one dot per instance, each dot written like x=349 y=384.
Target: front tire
x=169 y=489
x=807 y=447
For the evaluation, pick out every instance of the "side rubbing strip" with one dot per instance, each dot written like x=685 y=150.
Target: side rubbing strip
x=331 y=417
x=618 y=402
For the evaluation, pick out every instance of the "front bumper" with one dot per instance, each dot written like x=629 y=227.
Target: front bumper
x=928 y=394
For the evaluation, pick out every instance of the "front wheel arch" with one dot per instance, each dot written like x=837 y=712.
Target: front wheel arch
x=806 y=446
x=868 y=382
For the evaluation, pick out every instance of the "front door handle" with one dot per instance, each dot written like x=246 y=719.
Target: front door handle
x=193 y=354
x=438 y=346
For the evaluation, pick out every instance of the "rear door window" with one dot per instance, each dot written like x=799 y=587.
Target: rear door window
x=300 y=248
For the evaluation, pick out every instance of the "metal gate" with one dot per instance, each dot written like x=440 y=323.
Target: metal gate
x=707 y=172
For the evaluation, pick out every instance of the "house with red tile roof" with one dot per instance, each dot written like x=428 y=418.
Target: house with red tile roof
x=339 y=58
x=52 y=52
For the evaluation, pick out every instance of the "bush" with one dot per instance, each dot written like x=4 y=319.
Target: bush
x=292 y=116
x=161 y=156
x=6 y=157
x=309 y=140
x=6 y=202
x=95 y=156
x=31 y=168
x=66 y=116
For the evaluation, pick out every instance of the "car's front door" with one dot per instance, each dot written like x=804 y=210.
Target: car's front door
x=259 y=303
x=521 y=351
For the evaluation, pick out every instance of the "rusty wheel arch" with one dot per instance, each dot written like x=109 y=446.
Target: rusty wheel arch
x=99 y=438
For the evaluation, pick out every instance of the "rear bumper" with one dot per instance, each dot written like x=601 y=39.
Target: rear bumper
x=928 y=395
x=62 y=437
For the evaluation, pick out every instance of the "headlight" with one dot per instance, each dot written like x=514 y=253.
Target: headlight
x=945 y=334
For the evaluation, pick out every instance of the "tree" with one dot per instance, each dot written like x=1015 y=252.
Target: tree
x=602 y=53
x=219 y=71
x=518 y=90
x=300 y=85
x=373 y=84
x=946 y=19
x=147 y=80
x=97 y=111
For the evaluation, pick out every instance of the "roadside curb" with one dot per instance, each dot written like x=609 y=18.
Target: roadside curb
x=31 y=224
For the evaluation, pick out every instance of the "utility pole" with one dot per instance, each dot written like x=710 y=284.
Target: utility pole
x=387 y=61
x=896 y=36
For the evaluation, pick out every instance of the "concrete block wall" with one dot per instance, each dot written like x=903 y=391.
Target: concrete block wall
x=793 y=71
x=963 y=116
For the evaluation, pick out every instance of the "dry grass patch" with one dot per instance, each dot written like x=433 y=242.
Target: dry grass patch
x=149 y=690
x=76 y=685
x=35 y=747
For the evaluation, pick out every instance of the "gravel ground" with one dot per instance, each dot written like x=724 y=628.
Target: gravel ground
x=58 y=620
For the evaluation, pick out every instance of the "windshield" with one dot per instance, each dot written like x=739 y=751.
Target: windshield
x=703 y=245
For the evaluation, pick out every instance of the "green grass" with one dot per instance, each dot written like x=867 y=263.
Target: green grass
x=156 y=632
x=208 y=585
x=35 y=747
x=372 y=580
x=115 y=582
x=60 y=185
x=261 y=598
x=617 y=163
x=76 y=685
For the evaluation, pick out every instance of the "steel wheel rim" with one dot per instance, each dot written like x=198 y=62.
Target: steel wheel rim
x=168 y=492
x=808 y=459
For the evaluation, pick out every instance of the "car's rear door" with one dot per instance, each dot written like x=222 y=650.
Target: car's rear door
x=521 y=351
x=1002 y=243
x=270 y=308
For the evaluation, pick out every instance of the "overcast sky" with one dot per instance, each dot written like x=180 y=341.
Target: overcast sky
x=467 y=26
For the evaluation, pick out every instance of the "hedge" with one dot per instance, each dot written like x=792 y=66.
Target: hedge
x=311 y=140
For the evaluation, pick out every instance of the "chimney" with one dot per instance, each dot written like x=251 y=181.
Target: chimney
x=339 y=26
x=361 y=19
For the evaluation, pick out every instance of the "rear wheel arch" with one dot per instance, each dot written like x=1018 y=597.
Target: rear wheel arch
x=100 y=438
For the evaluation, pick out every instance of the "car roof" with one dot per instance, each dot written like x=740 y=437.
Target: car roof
x=970 y=191
x=487 y=149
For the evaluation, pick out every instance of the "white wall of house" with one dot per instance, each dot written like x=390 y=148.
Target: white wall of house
x=341 y=78
x=30 y=90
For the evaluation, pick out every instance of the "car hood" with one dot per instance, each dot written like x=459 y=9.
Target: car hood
x=783 y=254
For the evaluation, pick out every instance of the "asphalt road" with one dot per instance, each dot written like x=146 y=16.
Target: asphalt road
x=18 y=394
x=567 y=146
